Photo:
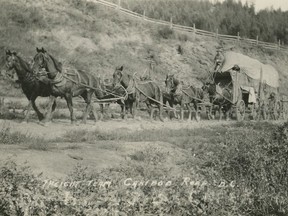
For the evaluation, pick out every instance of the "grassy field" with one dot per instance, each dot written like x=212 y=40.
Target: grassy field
x=233 y=169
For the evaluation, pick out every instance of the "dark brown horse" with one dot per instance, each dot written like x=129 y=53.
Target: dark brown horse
x=168 y=98
x=69 y=83
x=31 y=86
x=184 y=95
x=221 y=97
x=114 y=93
x=143 y=91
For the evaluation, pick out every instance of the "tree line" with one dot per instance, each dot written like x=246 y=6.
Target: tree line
x=228 y=17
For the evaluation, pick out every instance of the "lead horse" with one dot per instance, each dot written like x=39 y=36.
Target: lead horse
x=30 y=84
x=69 y=83
x=184 y=96
x=143 y=91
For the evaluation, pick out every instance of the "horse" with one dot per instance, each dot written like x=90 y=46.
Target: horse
x=144 y=91
x=69 y=83
x=112 y=92
x=184 y=96
x=221 y=97
x=168 y=98
x=30 y=84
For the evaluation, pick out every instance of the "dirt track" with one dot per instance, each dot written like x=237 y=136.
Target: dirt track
x=60 y=127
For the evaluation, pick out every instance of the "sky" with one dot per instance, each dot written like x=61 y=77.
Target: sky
x=262 y=4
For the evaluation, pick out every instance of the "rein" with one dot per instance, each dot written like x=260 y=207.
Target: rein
x=100 y=89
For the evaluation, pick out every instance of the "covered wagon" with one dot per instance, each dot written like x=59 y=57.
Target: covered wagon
x=253 y=87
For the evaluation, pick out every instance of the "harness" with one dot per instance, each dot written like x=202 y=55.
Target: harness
x=133 y=86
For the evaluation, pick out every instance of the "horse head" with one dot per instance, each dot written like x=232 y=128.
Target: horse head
x=11 y=60
x=171 y=83
x=44 y=61
x=15 y=63
x=120 y=78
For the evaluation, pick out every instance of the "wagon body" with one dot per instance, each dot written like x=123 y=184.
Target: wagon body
x=251 y=87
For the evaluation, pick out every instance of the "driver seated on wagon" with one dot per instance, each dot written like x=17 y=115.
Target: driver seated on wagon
x=218 y=60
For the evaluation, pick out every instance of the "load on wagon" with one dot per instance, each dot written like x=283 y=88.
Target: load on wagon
x=248 y=86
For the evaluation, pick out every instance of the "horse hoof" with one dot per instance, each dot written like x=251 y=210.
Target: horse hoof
x=24 y=122
x=44 y=124
x=74 y=123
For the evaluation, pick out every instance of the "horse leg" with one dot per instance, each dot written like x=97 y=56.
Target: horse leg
x=134 y=106
x=102 y=110
x=190 y=112
x=123 y=110
x=220 y=113
x=28 y=111
x=160 y=107
x=149 y=109
x=68 y=98
x=182 y=110
x=87 y=95
x=227 y=115
x=39 y=114
x=51 y=108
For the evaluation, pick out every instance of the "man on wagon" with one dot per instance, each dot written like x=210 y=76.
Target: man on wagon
x=218 y=60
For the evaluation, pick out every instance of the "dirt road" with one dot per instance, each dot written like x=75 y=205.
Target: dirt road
x=59 y=127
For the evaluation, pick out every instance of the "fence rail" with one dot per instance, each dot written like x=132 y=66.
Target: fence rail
x=256 y=42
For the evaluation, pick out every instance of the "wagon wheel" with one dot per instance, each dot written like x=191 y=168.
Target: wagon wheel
x=240 y=110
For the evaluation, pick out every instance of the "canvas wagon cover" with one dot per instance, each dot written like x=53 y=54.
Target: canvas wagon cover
x=252 y=68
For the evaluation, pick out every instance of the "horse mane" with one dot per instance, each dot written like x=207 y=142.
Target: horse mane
x=58 y=65
x=24 y=64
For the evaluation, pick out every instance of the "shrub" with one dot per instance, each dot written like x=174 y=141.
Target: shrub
x=258 y=164
x=165 y=32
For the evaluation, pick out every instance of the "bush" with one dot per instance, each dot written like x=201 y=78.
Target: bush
x=29 y=16
x=165 y=32
x=258 y=164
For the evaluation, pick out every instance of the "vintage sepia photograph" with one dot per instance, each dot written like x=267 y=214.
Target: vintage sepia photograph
x=143 y=107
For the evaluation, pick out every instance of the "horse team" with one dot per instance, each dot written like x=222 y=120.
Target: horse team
x=45 y=77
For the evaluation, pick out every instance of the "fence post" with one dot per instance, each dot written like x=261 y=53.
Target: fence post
x=119 y=4
x=217 y=33
x=257 y=40
x=194 y=31
x=279 y=44
x=143 y=15
x=171 y=23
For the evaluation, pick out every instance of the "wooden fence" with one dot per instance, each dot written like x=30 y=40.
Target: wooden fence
x=193 y=30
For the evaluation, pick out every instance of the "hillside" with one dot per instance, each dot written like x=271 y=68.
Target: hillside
x=97 y=39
